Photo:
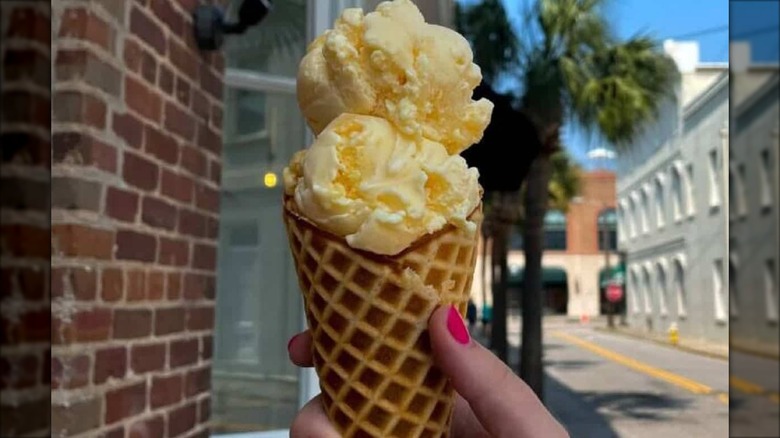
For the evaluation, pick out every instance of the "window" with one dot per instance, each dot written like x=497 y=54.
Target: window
x=631 y=217
x=765 y=174
x=714 y=179
x=644 y=206
x=679 y=288
x=719 y=293
x=677 y=201
x=660 y=286
x=635 y=293
x=647 y=289
x=660 y=206
x=733 y=289
x=690 y=198
x=770 y=290
x=621 y=232
x=607 y=230
x=555 y=231
x=741 y=194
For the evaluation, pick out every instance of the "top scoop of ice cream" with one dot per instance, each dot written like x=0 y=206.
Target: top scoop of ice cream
x=392 y=64
x=367 y=181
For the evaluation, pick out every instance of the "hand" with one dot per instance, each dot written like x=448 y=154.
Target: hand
x=491 y=400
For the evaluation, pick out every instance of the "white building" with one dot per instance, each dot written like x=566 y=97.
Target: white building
x=753 y=186
x=673 y=207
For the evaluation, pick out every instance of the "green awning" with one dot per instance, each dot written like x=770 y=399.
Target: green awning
x=550 y=275
x=616 y=274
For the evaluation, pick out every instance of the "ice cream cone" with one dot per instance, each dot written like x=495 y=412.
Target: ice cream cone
x=368 y=317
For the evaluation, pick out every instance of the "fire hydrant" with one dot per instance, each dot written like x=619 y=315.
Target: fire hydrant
x=674 y=334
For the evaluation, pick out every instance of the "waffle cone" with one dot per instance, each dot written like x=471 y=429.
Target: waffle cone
x=368 y=316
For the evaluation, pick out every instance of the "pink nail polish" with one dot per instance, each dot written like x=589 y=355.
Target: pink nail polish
x=290 y=342
x=456 y=327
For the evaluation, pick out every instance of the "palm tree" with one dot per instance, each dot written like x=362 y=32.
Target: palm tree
x=573 y=70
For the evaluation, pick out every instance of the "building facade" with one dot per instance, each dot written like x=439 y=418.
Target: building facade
x=673 y=207
x=578 y=245
x=753 y=188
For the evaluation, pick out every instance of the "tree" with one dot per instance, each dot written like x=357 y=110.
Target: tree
x=573 y=70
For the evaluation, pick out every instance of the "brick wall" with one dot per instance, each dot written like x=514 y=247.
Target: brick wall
x=24 y=211
x=598 y=193
x=137 y=116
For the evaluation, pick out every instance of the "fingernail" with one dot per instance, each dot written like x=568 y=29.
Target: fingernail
x=290 y=342
x=456 y=327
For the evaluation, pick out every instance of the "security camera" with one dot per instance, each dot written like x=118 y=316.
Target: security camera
x=210 y=26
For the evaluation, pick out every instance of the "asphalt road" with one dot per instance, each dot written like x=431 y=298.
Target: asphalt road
x=608 y=385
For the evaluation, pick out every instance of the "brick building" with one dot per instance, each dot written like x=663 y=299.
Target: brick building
x=574 y=256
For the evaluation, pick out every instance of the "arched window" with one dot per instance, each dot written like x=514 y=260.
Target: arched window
x=660 y=204
x=679 y=287
x=677 y=194
x=644 y=207
x=607 y=230
x=647 y=288
x=719 y=291
x=621 y=225
x=634 y=291
x=633 y=215
x=555 y=230
x=733 y=290
x=661 y=288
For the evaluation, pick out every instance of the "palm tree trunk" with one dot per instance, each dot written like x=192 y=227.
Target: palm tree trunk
x=536 y=200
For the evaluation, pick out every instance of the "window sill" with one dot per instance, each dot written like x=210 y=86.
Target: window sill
x=721 y=320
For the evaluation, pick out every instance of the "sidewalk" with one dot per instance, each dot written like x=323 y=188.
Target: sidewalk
x=696 y=346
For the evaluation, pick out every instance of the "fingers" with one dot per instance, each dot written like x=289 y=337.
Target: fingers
x=299 y=349
x=312 y=422
x=504 y=404
x=464 y=423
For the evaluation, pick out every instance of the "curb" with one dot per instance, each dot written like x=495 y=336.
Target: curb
x=686 y=348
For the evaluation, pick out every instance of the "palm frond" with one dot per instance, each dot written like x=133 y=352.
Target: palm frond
x=493 y=40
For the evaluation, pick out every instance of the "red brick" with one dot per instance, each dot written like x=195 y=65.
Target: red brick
x=69 y=372
x=26 y=107
x=81 y=282
x=132 y=323
x=206 y=347
x=165 y=390
x=216 y=115
x=26 y=375
x=183 y=352
x=150 y=427
x=161 y=145
x=82 y=65
x=30 y=24
x=200 y=105
x=215 y=172
x=75 y=194
x=121 y=204
x=158 y=214
x=129 y=128
x=147 y=29
x=173 y=252
x=182 y=419
x=145 y=358
x=207 y=198
x=198 y=286
x=209 y=139
x=197 y=381
x=132 y=55
x=110 y=363
x=140 y=172
x=132 y=245
x=135 y=286
x=72 y=240
x=200 y=318
x=125 y=402
x=75 y=418
x=26 y=148
x=192 y=223
x=79 y=107
x=85 y=326
x=204 y=257
x=142 y=99
x=165 y=79
x=194 y=161
x=29 y=281
x=117 y=432
x=179 y=122
x=81 y=24
x=148 y=67
x=172 y=18
x=168 y=320
x=204 y=410
x=176 y=186
x=183 y=91
x=25 y=241
x=111 y=284
x=173 y=288
x=84 y=150
x=210 y=82
x=184 y=60
x=155 y=286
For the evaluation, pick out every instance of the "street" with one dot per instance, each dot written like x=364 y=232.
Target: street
x=608 y=385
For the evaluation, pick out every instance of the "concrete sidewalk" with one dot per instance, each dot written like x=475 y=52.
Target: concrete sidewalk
x=696 y=346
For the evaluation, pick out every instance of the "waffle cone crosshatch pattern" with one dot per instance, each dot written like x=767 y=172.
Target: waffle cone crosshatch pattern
x=368 y=316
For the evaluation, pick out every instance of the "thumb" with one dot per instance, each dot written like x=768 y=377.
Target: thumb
x=503 y=404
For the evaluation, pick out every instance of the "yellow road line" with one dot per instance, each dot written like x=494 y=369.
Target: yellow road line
x=669 y=377
x=723 y=398
x=744 y=386
x=775 y=398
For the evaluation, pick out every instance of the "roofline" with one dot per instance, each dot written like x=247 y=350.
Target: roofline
x=712 y=65
x=705 y=97
x=757 y=95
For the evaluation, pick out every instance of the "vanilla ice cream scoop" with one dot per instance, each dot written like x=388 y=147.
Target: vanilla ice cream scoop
x=378 y=187
x=392 y=64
